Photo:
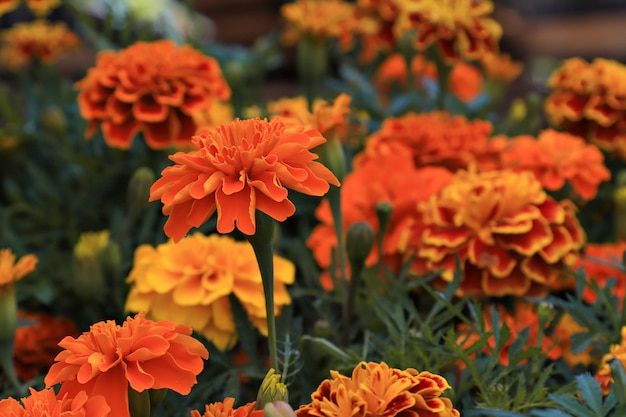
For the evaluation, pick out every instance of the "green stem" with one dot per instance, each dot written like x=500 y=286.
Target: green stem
x=348 y=306
x=8 y=327
x=334 y=198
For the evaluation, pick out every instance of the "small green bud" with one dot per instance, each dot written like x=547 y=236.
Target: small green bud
x=53 y=120
x=278 y=409
x=333 y=157
x=359 y=241
x=271 y=390
x=383 y=212
x=138 y=191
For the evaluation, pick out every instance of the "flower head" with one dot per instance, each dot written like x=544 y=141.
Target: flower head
x=38 y=39
x=600 y=263
x=41 y=8
x=501 y=67
x=140 y=353
x=556 y=157
x=393 y=72
x=153 y=87
x=46 y=403
x=236 y=169
x=11 y=271
x=510 y=236
x=466 y=81
x=8 y=5
x=226 y=409
x=616 y=352
x=191 y=282
x=377 y=26
x=376 y=389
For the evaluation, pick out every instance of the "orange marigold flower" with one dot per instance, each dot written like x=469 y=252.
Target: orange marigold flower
x=375 y=389
x=238 y=168
x=36 y=343
x=616 y=352
x=600 y=263
x=377 y=21
x=563 y=332
x=319 y=19
x=501 y=67
x=437 y=138
x=191 y=281
x=41 y=8
x=466 y=81
x=522 y=316
x=38 y=39
x=140 y=353
x=391 y=179
x=46 y=403
x=154 y=87
x=460 y=28
x=8 y=5
x=556 y=157
x=10 y=271
x=510 y=236
x=393 y=72
x=588 y=100
x=226 y=409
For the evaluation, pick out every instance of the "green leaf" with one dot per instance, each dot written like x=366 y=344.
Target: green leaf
x=590 y=392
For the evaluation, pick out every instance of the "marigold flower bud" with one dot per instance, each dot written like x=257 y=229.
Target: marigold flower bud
x=383 y=212
x=278 y=409
x=138 y=192
x=53 y=120
x=359 y=241
x=271 y=390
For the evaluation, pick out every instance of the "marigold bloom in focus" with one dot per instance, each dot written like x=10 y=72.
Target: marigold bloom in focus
x=226 y=409
x=375 y=389
x=191 y=281
x=238 y=168
x=600 y=263
x=510 y=236
x=465 y=81
x=392 y=179
x=140 y=353
x=616 y=352
x=38 y=39
x=36 y=343
x=437 y=138
x=588 y=101
x=46 y=403
x=556 y=157
x=523 y=316
x=153 y=87
x=460 y=28
x=41 y=8
x=11 y=271
x=8 y=5
x=320 y=20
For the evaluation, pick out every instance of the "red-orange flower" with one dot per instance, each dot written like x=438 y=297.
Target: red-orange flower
x=46 y=403
x=36 y=342
x=391 y=179
x=509 y=235
x=11 y=271
x=522 y=316
x=375 y=389
x=460 y=28
x=226 y=409
x=140 y=353
x=153 y=87
x=466 y=81
x=616 y=352
x=600 y=263
x=239 y=168
x=589 y=100
x=38 y=39
x=437 y=138
x=556 y=157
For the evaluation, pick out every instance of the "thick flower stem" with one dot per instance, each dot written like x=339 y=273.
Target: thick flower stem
x=262 y=243
x=8 y=327
x=334 y=199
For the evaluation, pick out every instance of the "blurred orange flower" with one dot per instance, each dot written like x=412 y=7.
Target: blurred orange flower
x=563 y=332
x=375 y=389
x=236 y=169
x=190 y=282
x=41 y=8
x=226 y=409
x=393 y=73
x=556 y=157
x=140 y=353
x=460 y=28
x=377 y=20
x=510 y=236
x=600 y=263
x=437 y=138
x=40 y=40
x=501 y=67
x=588 y=100
x=11 y=271
x=8 y=5
x=466 y=81
x=46 y=403
x=154 y=87
x=616 y=352
x=522 y=316
x=391 y=179
x=320 y=20
x=36 y=343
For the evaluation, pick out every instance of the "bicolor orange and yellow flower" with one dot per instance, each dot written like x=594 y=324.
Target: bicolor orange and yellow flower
x=237 y=169
x=47 y=403
x=12 y=271
x=227 y=408
x=191 y=282
x=617 y=352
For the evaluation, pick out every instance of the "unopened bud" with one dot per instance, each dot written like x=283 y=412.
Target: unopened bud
x=139 y=189
x=333 y=156
x=359 y=241
x=383 y=212
x=271 y=390
x=53 y=120
x=278 y=409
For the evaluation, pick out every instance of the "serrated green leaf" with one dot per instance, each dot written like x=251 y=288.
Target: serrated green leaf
x=550 y=412
x=572 y=405
x=590 y=392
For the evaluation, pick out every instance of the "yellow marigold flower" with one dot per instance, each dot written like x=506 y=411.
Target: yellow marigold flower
x=460 y=28
x=375 y=389
x=510 y=236
x=90 y=244
x=11 y=271
x=190 y=282
x=35 y=40
x=319 y=19
x=219 y=113
x=616 y=352
x=8 y=5
x=41 y=8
